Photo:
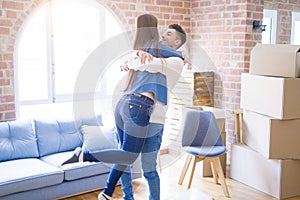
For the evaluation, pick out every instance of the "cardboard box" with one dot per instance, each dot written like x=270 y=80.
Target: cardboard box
x=273 y=96
x=281 y=60
x=278 y=178
x=273 y=138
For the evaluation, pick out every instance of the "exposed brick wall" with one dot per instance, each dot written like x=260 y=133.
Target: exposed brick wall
x=224 y=30
x=11 y=12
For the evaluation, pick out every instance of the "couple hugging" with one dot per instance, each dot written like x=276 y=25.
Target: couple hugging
x=140 y=113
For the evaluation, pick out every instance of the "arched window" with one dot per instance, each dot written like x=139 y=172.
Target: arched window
x=52 y=47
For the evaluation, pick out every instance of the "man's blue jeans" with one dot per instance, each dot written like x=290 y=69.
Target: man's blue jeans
x=149 y=157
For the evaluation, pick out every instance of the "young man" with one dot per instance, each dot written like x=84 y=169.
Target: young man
x=174 y=37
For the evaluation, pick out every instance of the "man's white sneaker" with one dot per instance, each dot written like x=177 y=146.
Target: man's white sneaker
x=103 y=196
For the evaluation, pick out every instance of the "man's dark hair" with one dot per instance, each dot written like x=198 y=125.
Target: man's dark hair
x=180 y=32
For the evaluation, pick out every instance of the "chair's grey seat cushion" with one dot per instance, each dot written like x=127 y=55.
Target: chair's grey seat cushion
x=206 y=151
x=75 y=171
x=26 y=174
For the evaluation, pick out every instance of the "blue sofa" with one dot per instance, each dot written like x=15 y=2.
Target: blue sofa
x=31 y=154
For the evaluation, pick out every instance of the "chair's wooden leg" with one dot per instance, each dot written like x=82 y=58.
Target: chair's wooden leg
x=196 y=160
x=217 y=165
x=185 y=168
x=214 y=172
x=192 y=173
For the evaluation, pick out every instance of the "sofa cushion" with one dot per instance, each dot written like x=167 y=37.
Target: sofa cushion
x=92 y=120
x=17 y=140
x=85 y=169
x=76 y=170
x=55 y=136
x=26 y=174
x=99 y=137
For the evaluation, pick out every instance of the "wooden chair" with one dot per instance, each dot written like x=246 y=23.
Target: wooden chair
x=201 y=139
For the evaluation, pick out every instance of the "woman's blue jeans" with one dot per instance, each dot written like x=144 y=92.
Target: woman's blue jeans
x=148 y=157
x=132 y=114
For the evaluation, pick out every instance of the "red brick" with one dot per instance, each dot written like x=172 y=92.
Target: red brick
x=9 y=116
x=180 y=10
x=205 y=3
x=166 y=16
x=177 y=17
x=132 y=7
x=3 y=65
x=166 y=9
x=176 y=3
x=215 y=16
x=4 y=30
x=187 y=4
x=239 y=29
x=7 y=98
x=8 y=56
x=185 y=24
x=129 y=1
x=211 y=10
x=7 y=107
x=123 y=6
x=148 y=2
x=214 y=23
x=258 y=16
x=12 y=5
x=195 y=4
x=152 y=8
x=292 y=1
x=9 y=73
x=162 y=2
x=11 y=14
x=5 y=23
x=4 y=82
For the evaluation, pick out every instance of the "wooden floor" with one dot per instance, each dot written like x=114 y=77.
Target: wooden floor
x=171 y=169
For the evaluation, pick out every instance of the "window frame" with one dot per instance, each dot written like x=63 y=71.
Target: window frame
x=271 y=14
x=295 y=17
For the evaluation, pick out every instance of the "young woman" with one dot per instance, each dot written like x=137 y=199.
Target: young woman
x=133 y=110
x=174 y=37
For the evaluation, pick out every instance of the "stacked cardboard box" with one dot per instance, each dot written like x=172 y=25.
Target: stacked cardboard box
x=269 y=158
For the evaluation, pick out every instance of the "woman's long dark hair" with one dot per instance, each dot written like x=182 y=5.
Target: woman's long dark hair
x=146 y=37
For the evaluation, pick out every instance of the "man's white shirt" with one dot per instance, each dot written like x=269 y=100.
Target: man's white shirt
x=170 y=67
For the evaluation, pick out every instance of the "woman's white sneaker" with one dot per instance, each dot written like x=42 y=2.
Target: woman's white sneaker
x=103 y=196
